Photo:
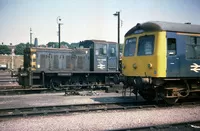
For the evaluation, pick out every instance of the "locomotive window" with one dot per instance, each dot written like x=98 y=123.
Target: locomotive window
x=193 y=48
x=112 y=51
x=146 y=45
x=103 y=50
x=171 y=46
x=129 y=49
x=96 y=52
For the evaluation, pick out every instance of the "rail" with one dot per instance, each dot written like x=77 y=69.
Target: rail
x=63 y=109
x=189 y=125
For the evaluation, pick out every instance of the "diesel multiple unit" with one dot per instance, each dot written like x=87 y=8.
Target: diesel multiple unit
x=162 y=59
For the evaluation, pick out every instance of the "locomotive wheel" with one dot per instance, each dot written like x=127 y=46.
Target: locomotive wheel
x=148 y=92
x=55 y=84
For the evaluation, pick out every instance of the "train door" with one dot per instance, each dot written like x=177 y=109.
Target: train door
x=100 y=57
x=173 y=55
x=112 y=57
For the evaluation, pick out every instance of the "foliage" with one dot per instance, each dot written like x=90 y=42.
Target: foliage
x=4 y=49
x=29 y=45
x=19 y=49
x=52 y=44
x=74 y=45
x=41 y=45
x=56 y=45
x=64 y=44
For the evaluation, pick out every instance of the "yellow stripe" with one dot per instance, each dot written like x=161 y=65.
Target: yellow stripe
x=190 y=34
x=33 y=65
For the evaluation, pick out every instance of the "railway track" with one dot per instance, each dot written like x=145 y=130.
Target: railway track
x=8 y=79
x=17 y=90
x=190 y=125
x=66 y=109
x=20 y=91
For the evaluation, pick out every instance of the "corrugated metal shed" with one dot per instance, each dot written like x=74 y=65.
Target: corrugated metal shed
x=164 y=26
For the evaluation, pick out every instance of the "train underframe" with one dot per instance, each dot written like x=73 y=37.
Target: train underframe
x=169 y=89
x=72 y=80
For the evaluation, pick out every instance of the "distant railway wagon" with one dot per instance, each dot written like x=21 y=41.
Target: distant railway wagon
x=95 y=62
x=162 y=58
x=3 y=67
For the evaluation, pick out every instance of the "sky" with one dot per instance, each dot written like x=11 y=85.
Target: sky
x=86 y=19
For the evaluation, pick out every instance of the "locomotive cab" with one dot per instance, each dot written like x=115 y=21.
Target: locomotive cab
x=104 y=55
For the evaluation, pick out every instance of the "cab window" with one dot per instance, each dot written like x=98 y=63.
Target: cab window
x=112 y=51
x=101 y=50
x=130 y=45
x=146 y=45
x=171 y=46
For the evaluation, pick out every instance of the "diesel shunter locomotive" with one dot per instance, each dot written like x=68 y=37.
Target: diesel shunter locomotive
x=95 y=62
x=162 y=59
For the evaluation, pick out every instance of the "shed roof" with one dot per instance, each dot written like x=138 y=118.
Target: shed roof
x=164 y=26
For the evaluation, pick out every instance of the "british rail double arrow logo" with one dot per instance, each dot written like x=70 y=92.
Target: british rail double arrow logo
x=195 y=67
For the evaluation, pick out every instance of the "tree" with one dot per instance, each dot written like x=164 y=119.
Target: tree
x=29 y=45
x=74 y=45
x=52 y=44
x=64 y=44
x=56 y=45
x=41 y=45
x=19 y=49
x=4 y=49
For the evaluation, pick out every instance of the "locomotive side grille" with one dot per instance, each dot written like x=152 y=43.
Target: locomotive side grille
x=55 y=62
x=80 y=61
x=42 y=61
x=68 y=62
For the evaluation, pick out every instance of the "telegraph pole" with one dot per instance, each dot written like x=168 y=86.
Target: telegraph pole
x=31 y=36
x=59 y=34
x=59 y=24
x=118 y=31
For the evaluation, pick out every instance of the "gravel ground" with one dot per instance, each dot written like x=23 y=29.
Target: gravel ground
x=59 y=99
x=102 y=120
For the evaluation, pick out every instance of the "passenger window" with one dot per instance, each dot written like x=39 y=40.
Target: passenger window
x=171 y=46
x=146 y=45
x=130 y=45
x=193 y=48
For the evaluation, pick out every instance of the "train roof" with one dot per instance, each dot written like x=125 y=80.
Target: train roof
x=164 y=26
x=102 y=41
x=47 y=48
